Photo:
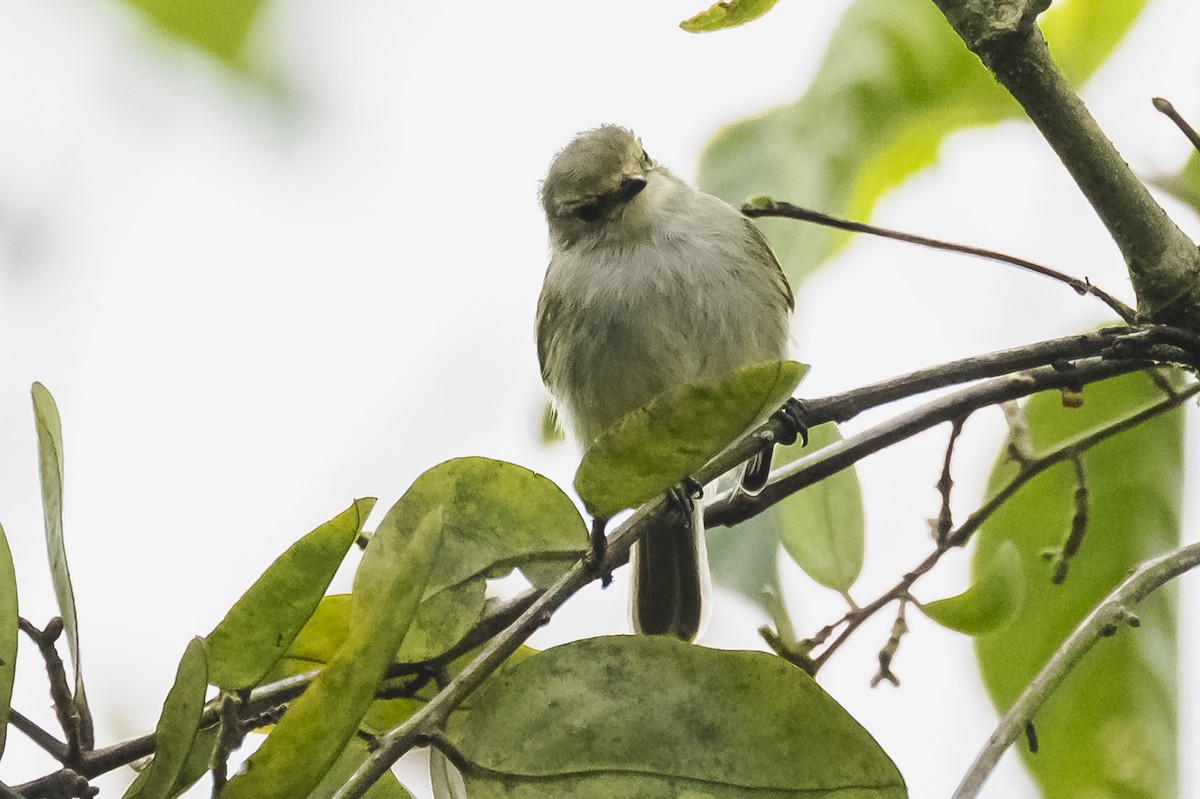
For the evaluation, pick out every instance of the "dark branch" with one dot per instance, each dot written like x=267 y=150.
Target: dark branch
x=1082 y=287
x=60 y=689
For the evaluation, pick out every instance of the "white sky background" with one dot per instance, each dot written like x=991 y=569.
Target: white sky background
x=252 y=309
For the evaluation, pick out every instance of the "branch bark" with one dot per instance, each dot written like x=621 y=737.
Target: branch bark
x=1163 y=263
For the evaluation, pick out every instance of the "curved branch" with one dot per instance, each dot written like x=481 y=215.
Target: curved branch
x=1163 y=263
x=1081 y=287
x=1102 y=622
x=1067 y=450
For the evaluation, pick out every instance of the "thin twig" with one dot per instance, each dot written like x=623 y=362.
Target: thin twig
x=54 y=747
x=1104 y=620
x=60 y=689
x=775 y=208
x=945 y=484
x=1067 y=450
x=1166 y=108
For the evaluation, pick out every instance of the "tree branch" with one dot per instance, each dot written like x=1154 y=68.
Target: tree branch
x=1030 y=468
x=844 y=453
x=1081 y=287
x=1104 y=621
x=1163 y=263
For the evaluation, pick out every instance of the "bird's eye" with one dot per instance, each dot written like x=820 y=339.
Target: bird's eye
x=646 y=158
x=588 y=212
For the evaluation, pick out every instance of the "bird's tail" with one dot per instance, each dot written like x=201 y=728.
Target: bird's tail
x=671 y=582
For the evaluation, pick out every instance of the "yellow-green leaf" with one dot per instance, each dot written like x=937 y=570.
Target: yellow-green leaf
x=260 y=626
x=727 y=15
x=8 y=633
x=218 y=27
x=822 y=527
x=177 y=727
x=314 y=731
x=50 y=467
x=991 y=603
x=653 y=447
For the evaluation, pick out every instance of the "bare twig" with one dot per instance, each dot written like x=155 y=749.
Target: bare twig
x=60 y=689
x=1079 y=521
x=1112 y=613
x=1067 y=450
x=945 y=521
x=54 y=747
x=775 y=208
x=1166 y=108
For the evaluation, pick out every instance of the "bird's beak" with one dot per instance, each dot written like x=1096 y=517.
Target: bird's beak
x=631 y=186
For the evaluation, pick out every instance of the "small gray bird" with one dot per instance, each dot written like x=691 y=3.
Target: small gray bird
x=651 y=284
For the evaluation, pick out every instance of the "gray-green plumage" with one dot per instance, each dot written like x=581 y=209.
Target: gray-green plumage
x=651 y=284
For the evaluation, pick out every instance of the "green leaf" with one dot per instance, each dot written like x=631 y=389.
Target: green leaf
x=353 y=756
x=313 y=733
x=653 y=447
x=743 y=558
x=217 y=27
x=991 y=603
x=1184 y=186
x=727 y=15
x=260 y=626
x=177 y=726
x=442 y=621
x=895 y=82
x=650 y=716
x=822 y=527
x=8 y=634
x=1110 y=729
x=50 y=467
x=498 y=516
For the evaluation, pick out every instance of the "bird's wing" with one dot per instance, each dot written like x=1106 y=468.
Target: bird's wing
x=758 y=241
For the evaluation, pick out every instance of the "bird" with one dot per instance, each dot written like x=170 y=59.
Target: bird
x=651 y=284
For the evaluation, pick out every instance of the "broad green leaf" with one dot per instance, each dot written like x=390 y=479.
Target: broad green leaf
x=50 y=467
x=313 y=733
x=1110 y=729
x=822 y=527
x=653 y=447
x=8 y=633
x=261 y=625
x=743 y=558
x=497 y=516
x=727 y=15
x=442 y=621
x=1184 y=186
x=988 y=605
x=652 y=716
x=177 y=726
x=218 y=27
x=195 y=765
x=895 y=82
x=353 y=756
